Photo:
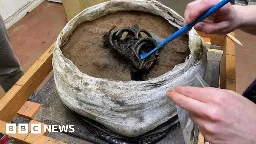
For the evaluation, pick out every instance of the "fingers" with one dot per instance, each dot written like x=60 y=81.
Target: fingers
x=187 y=103
x=196 y=93
x=196 y=119
x=190 y=6
x=209 y=28
x=196 y=8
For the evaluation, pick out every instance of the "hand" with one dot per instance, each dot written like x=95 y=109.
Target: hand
x=223 y=116
x=221 y=22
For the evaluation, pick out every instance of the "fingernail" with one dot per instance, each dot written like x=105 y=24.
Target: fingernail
x=168 y=93
x=187 y=19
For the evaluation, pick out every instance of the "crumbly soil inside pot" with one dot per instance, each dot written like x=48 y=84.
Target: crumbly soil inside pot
x=85 y=46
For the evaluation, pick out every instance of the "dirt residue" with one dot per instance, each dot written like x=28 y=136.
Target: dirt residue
x=85 y=47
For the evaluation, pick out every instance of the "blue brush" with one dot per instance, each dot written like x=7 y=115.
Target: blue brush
x=186 y=28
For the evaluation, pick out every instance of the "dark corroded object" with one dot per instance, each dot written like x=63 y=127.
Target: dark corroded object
x=129 y=43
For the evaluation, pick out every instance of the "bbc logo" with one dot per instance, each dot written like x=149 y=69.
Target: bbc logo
x=23 y=128
x=38 y=128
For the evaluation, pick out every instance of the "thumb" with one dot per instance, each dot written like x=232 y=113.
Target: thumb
x=213 y=28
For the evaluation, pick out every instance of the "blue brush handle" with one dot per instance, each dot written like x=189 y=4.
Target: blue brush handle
x=186 y=28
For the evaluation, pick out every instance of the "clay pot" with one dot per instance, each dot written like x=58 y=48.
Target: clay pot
x=128 y=108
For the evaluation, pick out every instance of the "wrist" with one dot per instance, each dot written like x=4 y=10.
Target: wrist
x=240 y=17
x=246 y=17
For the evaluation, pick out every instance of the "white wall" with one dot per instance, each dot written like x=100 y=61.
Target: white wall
x=9 y=7
x=14 y=10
